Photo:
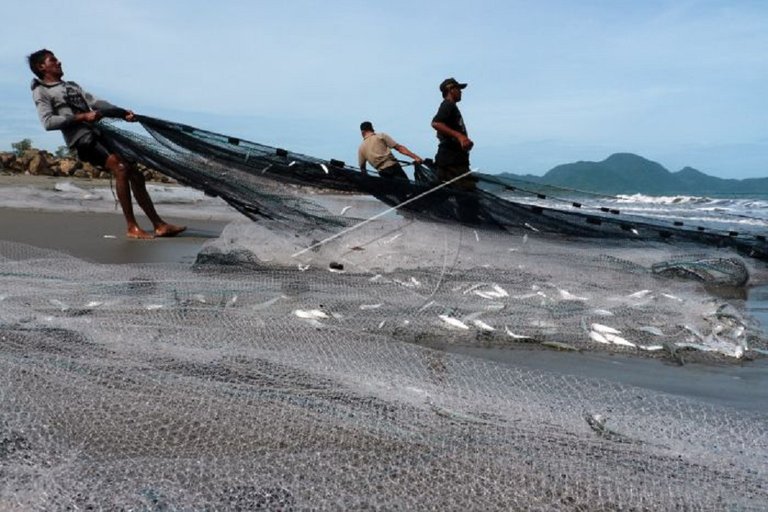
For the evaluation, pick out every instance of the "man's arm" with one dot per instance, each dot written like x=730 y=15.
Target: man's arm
x=442 y=128
x=49 y=119
x=361 y=161
x=407 y=152
x=106 y=108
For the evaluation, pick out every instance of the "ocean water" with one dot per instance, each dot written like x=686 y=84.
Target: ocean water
x=745 y=215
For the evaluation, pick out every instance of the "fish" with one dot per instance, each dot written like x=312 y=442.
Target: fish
x=497 y=293
x=560 y=346
x=651 y=348
x=344 y=210
x=531 y=227
x=483 y=326
x=639 y=295
x=604 y=329
x=268 y=303
x=365 y=307
x=473 y=287
x=650 y=329
x=323 y=166
x=618 y=340
x=516 y=336
x=425 y=306
x=566 y=295
x=596 y=336
x=454 y=322
x=309 y=313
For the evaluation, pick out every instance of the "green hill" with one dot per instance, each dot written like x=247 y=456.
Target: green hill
x=627 y=173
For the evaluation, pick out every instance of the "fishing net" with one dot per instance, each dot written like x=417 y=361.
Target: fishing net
x=254 y=385
x=310 y=360
x=253 y=178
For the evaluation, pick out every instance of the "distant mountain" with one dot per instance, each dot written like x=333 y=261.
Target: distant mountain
x=627 y=173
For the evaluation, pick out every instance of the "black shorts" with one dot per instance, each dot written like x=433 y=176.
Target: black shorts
x=92 y=149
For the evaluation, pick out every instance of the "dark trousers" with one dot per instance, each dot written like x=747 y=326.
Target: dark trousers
x=393 y=171
x=467 y=202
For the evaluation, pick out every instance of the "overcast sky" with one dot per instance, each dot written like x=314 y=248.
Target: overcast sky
x=683 y=83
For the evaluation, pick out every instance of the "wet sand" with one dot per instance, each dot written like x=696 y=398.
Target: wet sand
x=741 y=386
x=100 y=237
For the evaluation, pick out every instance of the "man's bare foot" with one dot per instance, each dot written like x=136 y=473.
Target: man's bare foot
x=166 y=230
x=139 y=234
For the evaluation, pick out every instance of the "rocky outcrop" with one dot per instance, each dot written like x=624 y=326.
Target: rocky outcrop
x=36 y=162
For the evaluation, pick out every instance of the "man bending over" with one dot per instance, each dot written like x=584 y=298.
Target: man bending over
x=376 y=149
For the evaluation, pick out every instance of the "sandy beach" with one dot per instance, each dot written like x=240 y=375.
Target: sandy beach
x=98 y=237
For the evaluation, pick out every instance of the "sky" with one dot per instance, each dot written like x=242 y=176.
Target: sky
x=682 y=83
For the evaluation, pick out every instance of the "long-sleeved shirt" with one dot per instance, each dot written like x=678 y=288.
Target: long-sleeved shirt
x=58 y=103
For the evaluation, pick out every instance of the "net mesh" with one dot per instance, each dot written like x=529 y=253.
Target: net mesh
x=261 y=182
x=260 y=386
x=305 y=361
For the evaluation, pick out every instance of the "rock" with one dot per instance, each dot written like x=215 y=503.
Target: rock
x=68 y=165
x=26 y=157
x=36 y=162
x=38 y=165
x=6 y=160
x=90 y=170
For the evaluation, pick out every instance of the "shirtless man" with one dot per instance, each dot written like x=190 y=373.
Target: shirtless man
x=65 y=106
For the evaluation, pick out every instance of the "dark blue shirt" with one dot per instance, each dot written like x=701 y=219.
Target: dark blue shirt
x=449 y=150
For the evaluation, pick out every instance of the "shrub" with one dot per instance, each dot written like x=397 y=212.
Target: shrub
x=21 y=146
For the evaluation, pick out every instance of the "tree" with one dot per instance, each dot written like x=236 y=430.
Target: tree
x=21 y=146
x=63 y=152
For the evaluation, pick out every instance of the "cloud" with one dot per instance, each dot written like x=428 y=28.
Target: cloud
x=657 y=74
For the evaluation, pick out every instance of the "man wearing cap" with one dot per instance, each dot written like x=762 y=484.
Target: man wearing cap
x=376 y=148
x=452 y=158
